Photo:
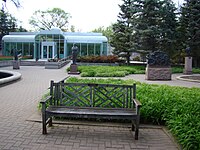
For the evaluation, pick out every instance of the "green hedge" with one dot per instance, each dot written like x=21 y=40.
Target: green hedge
x=176 y=107
x=119 y=71
x=109 y=71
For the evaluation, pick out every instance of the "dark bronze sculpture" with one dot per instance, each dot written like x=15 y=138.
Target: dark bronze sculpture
x=158 y=58
x=74 y=54
x=188 y=51
x=15 y=54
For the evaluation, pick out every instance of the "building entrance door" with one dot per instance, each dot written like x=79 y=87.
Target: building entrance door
x=48 y=50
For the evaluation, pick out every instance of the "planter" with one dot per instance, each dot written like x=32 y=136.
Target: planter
x=158 y=73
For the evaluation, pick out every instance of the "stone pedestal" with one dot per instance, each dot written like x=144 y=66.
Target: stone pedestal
x=188 y=65
x=74 y=69
x=16 y=64
x=158 y=73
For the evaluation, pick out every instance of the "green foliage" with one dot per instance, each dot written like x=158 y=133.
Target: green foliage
x=119 y=71
x=4 y=58
x=180 y=70
x=123 y=38
x=157 y=25
x=196 y=70
x=177 y=69
x=107 y=74
x=190 y=27
x=108 y=32
x=99 y=59
x=176 y=107
x=145 y=25
x=8 y=23
x=43 y=97
x=45 y=20
x=110 y=71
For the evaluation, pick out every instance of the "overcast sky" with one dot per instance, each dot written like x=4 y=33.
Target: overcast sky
x=86 y=14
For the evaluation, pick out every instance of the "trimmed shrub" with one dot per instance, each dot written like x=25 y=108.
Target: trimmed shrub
x=99 y=59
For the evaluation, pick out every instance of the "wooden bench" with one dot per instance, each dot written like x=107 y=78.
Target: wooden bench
x=81 y=100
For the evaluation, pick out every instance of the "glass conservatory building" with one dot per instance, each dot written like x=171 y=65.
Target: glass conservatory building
x=54 y=43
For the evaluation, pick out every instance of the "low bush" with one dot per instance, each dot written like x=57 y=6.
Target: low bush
x=5 y=58
x=119 y=71
x=108 y=74
x=196 y=70
x=99 y=59
x=109 y=71
x=176 y=107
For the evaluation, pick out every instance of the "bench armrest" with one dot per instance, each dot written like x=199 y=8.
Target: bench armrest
x=44 y=101
x=137 y=106
x=137 y=102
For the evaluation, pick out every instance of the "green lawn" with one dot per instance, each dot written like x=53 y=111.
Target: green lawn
x=119 y=71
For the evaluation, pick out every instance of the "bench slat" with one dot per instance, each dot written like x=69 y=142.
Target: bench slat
x=91 y=111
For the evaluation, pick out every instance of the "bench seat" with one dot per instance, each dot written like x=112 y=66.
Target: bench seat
x=91 y=112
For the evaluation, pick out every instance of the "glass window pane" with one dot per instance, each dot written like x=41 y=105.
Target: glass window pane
x=69 y=49
x=90 y=49
x=83 y=49
x=97 y=49
x=26 y=49
x=49 y=37
x=56 y=36
x=104 y=49
x=19 y=48
x=31 y=49
x=62 y=49
x=7 y=49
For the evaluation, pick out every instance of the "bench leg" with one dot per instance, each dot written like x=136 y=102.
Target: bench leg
x=133 y=126
x=137 y=127
x=136 y=134
x=50 y=122
x=44 y=128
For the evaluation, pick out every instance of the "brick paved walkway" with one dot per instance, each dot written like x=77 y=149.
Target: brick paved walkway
x=18 y=101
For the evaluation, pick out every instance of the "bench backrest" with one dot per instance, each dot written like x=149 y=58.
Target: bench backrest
x=92 y=95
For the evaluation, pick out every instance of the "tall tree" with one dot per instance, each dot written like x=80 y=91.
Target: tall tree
x=123 y=39
x=7 y=24
x=191 y=24
x=168 y=26
x=45 y=20
x=144 y=26
x=157 y=25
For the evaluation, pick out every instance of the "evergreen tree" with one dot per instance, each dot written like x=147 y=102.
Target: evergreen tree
x=145 y=26
x=157 y=26
x=148 y=27
x=123 y=39
x=191 y=23
x=168 y=26
x=8 y=23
